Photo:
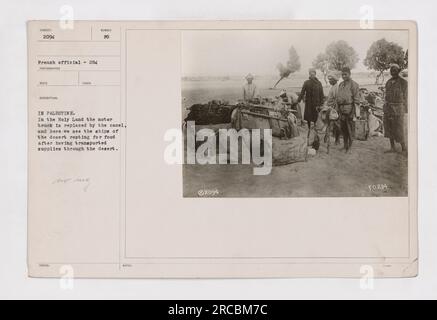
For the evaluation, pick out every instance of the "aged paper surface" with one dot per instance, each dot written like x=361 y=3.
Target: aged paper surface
x=124 y=183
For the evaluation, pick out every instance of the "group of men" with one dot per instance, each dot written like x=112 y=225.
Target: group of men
x=345 y=99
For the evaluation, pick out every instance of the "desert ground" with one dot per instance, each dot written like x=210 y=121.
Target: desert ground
x=367 y=172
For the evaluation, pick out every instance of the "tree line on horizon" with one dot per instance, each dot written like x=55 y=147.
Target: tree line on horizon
x=339 y=54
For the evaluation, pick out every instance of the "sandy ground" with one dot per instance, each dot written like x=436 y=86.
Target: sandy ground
x=368 y=171
x=334 y=175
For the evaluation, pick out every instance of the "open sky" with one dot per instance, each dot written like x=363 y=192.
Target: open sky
x=222 y=53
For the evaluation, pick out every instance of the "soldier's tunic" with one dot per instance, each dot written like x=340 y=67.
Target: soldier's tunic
x=396 y=105
x=348 y=96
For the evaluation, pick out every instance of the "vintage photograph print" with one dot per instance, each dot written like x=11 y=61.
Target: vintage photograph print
x=295 y=113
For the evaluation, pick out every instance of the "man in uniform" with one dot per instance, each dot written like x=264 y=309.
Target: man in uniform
x=348 y=97
x=396 y=105
x=250 y=91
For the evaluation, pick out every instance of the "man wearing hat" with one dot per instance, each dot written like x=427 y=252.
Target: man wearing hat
x=312 y=92
x=395 y=107
x=348 y=97
x=250 y=90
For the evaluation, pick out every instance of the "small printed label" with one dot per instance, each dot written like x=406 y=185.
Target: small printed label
x=208 y=193
x=378 y=187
